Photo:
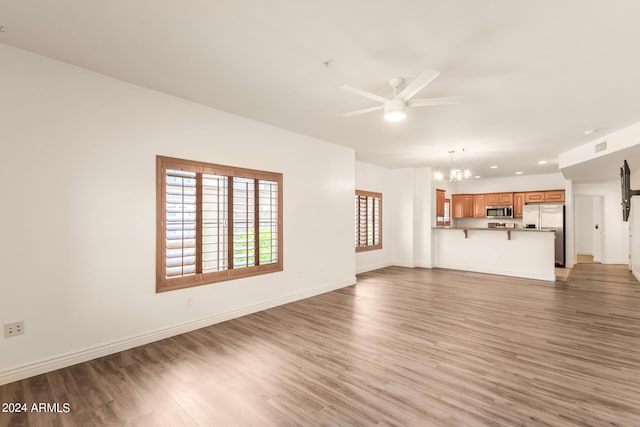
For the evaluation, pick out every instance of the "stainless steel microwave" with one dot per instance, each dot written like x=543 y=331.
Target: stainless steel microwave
x=499 y=212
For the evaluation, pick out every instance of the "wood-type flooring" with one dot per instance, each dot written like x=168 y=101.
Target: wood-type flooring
x=404 y=347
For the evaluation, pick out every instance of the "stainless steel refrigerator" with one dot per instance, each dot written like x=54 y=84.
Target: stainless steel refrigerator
x=547 y=216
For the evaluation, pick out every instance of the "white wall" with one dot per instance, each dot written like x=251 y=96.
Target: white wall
x=402 y=210
x=634 y=235
x=77 y=161
x=615 y=231
x=583 y=224
x=569 y=230
x=425 y=198
x=412 y=211
x=378 y=179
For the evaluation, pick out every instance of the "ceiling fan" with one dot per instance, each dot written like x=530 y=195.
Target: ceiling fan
x=395 y=108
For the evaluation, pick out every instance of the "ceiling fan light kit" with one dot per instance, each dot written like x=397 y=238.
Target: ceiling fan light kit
x=395 y=108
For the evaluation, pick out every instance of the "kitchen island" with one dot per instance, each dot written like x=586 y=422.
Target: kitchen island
x=505 y=251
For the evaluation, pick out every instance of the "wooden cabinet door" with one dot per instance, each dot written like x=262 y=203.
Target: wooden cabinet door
x=492 y=199
x=534 y=197
x=440 y=203
x=505 y=199
x=554 y=196
x=457 y=206
x=518 y=203
x=467 y=211
x=479 y=206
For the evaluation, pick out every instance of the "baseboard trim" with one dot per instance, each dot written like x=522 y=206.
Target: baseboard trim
x=403 y=264
x=372 y=267
x=69 y=359
x=636 y=275
x=617 y=261
x=521 y=274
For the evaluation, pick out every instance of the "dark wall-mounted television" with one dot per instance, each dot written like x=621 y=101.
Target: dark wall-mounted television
x=627 y=192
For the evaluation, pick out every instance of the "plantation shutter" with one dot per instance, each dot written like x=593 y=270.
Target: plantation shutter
x=244 y=224
x=368 y=219
x=375 y=220
x=215 y=224
x=180 y=223
x=361 y=221
x=268 y=221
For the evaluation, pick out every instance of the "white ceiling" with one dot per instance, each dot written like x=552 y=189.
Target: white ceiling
x=534 y=74
x=604 y=168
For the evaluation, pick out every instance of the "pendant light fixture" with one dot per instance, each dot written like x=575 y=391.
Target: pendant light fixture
x=455 y=175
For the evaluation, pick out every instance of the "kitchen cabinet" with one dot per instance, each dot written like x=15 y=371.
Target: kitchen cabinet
x=498 y=199
x=534 y=197
x=474 y=205
x=439 y=203
x=554 y=196
x=479 y=205
x=544 y=196
x=518 y=203
x=505 y=199
x=491 y=199
x=462 y=205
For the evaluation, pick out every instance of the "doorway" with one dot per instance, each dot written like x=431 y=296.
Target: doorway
x=589 y=229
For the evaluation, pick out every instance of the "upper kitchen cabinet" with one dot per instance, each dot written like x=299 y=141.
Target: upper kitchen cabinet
x=518 y=202
x=554 y=196
x=505 y=199
x=479 y=205
x=499 y=199
x=544 y=196
x=462 y=205
x=534 y=197
x=491 y=199
x=440 y=203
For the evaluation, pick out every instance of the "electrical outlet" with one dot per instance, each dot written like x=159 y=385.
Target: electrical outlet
x=13 y=329
x=189 y=300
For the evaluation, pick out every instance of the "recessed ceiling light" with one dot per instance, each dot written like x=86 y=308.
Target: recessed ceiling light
x=494 y=167
x=519 y=173
x=590 y=131
x=542 y=162
x=477 y=176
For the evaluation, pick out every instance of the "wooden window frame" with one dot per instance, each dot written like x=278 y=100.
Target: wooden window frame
x=164 y=283
x=368 y=247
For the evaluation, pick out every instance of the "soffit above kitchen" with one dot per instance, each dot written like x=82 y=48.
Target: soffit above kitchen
x=533 y=75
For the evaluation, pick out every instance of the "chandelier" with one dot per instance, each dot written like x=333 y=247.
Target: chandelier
x=454 y=174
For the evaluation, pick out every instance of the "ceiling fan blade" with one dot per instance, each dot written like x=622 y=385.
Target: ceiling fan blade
x=366 y=110
x=427 y=102
x=416 y=86
x=364 y=93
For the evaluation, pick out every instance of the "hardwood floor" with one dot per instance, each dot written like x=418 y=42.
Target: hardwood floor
x=402 y=347
x=585 y=259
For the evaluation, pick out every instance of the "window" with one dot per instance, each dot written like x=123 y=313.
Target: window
x=368 y=210
x=447 y=212
x=215 y=223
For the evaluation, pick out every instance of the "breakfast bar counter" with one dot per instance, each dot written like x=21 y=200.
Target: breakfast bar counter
x=514 y=252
